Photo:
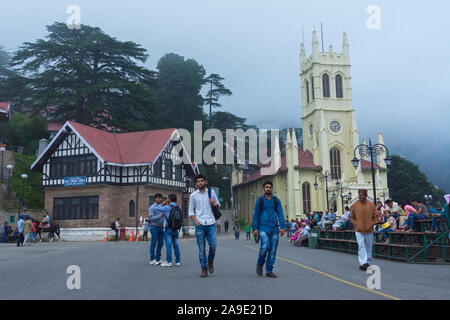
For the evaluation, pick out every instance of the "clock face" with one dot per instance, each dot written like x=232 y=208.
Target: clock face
x=335 y=126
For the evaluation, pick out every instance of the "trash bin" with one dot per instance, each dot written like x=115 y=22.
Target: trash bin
x=122 y=233
x=313 y=238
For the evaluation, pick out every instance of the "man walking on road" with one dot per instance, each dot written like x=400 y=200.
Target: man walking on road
x=201 y=214
x=226 y=224
x=268 y=221
x=156 y=230
x=20 y=229
x=364 y=216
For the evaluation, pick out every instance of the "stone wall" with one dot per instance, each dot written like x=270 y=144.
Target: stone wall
x=114 y=203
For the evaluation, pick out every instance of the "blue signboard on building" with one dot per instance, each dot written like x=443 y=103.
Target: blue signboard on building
x=74 y=181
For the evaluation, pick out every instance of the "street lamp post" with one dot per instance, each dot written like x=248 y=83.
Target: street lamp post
x=21 y=202
x=326 y=178
x=341 y=189
x=10 y=167
x=428 y=199
x=373 y=151
x=2 y=149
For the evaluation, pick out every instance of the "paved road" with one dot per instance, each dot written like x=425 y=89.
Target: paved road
x=121 y=271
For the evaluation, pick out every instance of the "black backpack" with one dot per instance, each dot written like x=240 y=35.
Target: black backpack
x=261 y=204
x=113 y=226
x=175 y=221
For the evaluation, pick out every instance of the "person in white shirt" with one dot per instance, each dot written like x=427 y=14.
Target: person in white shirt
x=201 y=214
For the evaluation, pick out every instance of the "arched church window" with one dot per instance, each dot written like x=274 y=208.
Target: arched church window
x=306 y=192
x=335 y=163
x=326 y=85
x=312 y=88
x=307 y=91
x=339 y=91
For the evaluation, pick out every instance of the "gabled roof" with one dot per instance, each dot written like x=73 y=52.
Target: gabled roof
x=305 y=161
x=4 y=107
x=365 y=165
x=123 y=149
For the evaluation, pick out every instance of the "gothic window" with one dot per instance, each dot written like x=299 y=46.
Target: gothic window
x=307 y=91
x=339 y=92
x=158 y=168
x=335 y=163
x=306 y=192
x=326 y=85
x=168 y=169
x=132 y=208
x=312 y=88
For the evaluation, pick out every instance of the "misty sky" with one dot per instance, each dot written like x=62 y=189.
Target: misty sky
x=400 y=73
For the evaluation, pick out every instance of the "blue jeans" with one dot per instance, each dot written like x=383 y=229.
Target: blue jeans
x=33 y=236
x=384 y=232
x=414 y=216
x=207 y=233
x=171 y=238
x=434 y=220
x=157 y=242
x=247 y=234
x=269 y=245
x=4 y=238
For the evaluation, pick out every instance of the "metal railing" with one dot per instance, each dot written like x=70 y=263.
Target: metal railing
x=440 y=238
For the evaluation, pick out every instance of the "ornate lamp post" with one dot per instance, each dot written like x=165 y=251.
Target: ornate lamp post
x=326 y=177
x=339 y=187
x=2 y=150
x=22 y=201
x=10 y=167
x=373 y=151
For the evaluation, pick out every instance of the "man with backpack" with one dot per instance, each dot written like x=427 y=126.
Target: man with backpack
x=201 y=213
x=268 y=221
x=172 y=225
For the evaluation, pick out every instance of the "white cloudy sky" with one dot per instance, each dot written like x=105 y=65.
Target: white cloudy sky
x=400 y=73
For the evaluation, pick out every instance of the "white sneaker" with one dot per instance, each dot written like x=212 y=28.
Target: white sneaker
x=153 y=262
x=178 y=264
x=157 y=262
x=166 y=264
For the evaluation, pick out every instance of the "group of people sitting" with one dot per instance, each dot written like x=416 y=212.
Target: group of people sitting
x=392 y=217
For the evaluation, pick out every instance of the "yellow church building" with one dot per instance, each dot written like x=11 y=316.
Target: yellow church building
x=330 y=136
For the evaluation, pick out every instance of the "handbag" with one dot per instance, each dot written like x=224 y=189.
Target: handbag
x=215 y=210
x=385 y=225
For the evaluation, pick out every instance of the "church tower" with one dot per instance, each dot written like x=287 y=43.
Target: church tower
x=329 y=125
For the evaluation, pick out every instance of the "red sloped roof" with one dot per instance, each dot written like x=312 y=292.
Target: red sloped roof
x=125 y=148
x=4 y=106
x=305 y=161
x=365 y=165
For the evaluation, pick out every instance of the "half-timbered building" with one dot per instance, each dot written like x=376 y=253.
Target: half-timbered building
x=91 y=176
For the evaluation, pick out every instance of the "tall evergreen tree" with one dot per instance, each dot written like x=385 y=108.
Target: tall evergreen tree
x=215 y=89
x=88 y=76
x=179 y=85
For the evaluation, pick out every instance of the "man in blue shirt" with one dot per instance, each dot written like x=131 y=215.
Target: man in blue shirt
x=20 y=227
x=170 y=235
x=268 y=221
x=156 y=230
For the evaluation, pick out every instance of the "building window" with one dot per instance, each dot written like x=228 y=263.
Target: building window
x=75 y=208
x=179 y=172
x=335 y=163
x=73 y=166
x=307 y=91
x=312 y=88
x=339 y=92
x=306 y=192
x=132 y=208
x=168 y=169
x=12 y=218
x=158 y=168
x=326 y=85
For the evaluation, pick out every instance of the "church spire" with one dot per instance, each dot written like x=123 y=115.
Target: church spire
x=346 y=47
x=315 y=44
